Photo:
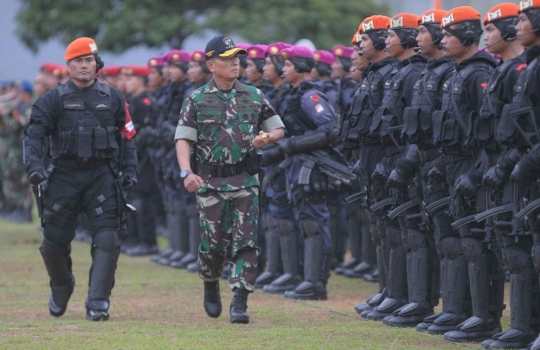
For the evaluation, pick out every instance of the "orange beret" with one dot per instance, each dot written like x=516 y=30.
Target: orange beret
x=375 y=23
x=431 y=16
x=80 y=47
x=528 y=4
x=139 y=71
x=404 y=20
x=501 y=11
x=460 y=14
x=53 y=68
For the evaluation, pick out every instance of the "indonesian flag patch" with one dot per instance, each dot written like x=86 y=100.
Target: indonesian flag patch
x=128 y=129
x=319 y=108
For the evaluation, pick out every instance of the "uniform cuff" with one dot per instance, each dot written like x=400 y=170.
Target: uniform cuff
x=272 y=123
x=185 y=133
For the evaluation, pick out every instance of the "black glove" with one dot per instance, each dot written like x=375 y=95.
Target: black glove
x=37 y=176
x=494 y=177
x=380 y=173
x=466 y=186
x=436 y=174
x=395 y=180
x=521 y=176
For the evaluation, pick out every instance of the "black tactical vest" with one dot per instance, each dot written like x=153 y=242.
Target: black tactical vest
x=79 y=131
x=452 y=125
x=490 y=114
x=417 y=127
x=356 y=127
x=175 y=101
x=390 y=113
x=521 y=114
x=295 y=120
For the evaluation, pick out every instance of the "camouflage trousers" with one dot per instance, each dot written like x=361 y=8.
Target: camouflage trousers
x=16 y=190
x=225 y=217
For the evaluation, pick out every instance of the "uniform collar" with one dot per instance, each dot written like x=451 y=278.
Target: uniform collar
x=211 y=88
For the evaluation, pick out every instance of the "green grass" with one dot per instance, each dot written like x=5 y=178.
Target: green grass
x=160 y=308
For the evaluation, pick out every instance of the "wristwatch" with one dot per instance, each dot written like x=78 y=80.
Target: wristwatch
x=185 y=173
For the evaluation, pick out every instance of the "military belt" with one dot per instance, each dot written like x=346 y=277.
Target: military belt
x=79 y=164
x=392 y=150
x=430 y=154
x=224 y=170
x=452 y=158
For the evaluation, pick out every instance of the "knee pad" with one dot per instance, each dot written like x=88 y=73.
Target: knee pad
x=452 y=247
x=55 y=234
x=309 y=227
x=393 y=234
x=516 y=259
x=536 y=256
x=284 y=226
x=416 y=239
x=106 y=240
x=472 y=248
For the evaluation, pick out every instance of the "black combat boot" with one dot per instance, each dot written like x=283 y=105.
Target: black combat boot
x=58 y=263
x=212 y=299
x=238 y=307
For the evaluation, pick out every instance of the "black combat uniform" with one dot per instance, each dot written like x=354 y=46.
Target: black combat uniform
x=84 y=175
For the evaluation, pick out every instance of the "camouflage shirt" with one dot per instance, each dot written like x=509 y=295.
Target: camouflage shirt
x=223 y=127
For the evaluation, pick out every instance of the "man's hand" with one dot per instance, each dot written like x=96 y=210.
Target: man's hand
x=261 y=140
x=192 y=182
x=38 y=176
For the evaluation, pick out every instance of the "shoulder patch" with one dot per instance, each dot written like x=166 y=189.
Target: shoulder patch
x=521 y=67
x=484 y=85
x=315 y=98
x=147 y=101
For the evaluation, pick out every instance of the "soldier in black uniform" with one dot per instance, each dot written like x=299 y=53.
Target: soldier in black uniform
x=386 y=127
x=144 y=223
x=462 y=98
x=273 y=184
x=412 y=170
x=518 y=128
x=355 y=133
x=94 y=165
x=256 y=55
x=486 y=275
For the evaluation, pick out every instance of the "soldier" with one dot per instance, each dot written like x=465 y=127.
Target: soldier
x=486 y=276
x=52 y=74
x=363 y=259
x=243 y=64
x=423 y=265
x=387 y=121
x=85 y=175
x=308 y=109
x=143 y=224
x=518 y=129
x=321 y=73
x=341 y=72
x=256 y=55
x=198 y=73
x=17 y=196
x=273 y=186
x=462 y=98
x=222 y=120
x=355 y=135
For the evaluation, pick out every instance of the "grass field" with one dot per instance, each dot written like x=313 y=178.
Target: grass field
x=160 y=308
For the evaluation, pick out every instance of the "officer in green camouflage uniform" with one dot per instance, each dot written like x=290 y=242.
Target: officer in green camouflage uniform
x=222 y=120
x=15 y=185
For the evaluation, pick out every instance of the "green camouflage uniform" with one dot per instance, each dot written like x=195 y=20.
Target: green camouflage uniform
x=223 y=127
x=15 y=185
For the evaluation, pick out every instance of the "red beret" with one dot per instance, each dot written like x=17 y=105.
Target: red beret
x=323 y=56
x=53 y=68
x=111 y=71
x=197 y=56
x=140 y=71
x=342 y=51
x=256 y=52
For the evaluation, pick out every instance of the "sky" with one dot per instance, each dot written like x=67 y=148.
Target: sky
x=18 y=62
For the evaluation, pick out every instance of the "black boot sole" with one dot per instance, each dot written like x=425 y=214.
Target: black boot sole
x=240 y=319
